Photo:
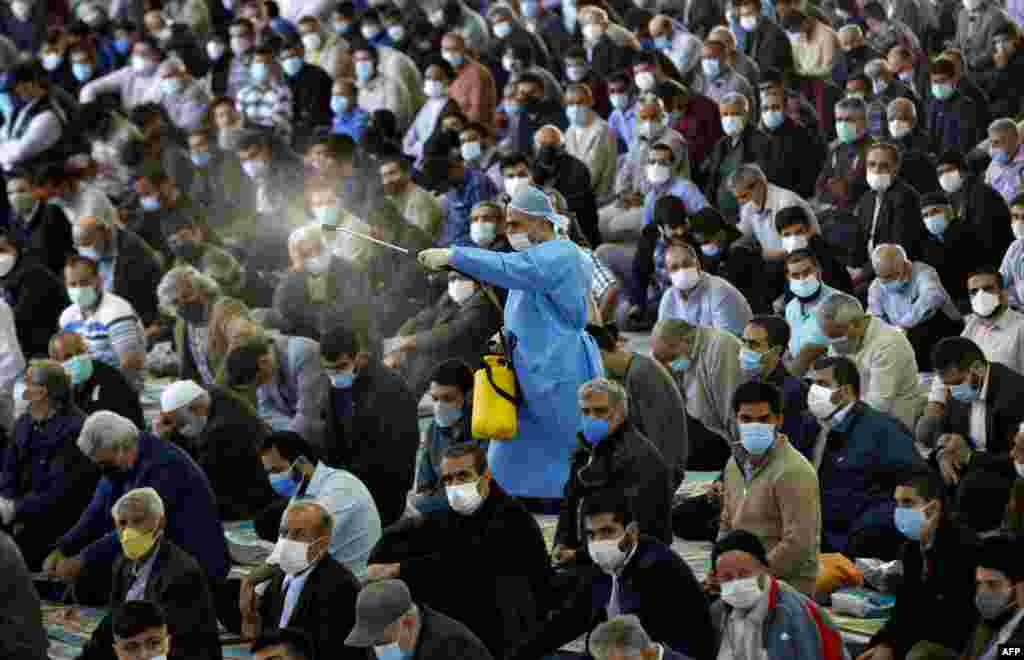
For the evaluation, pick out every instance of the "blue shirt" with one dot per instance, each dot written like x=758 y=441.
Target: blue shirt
x=623 y=123
x=918 y=299
x=352 y=123
x=713 y=303
x=293 y=585
x=476 y=188
x=680 y=187
x=803 y=324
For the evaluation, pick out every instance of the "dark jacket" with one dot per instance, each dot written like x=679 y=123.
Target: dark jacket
x=1005 y=87
x=793 y=156
x=311 y=100
x=226 y=450
x=625 y=461
x=530 y=119
x=440 y=555
x=609 y=58
x=918 y=167
x=325 y=610
x=37 y=298
x=22 y=634
x=852 y=63
x=108 y=389
x=955 y=256
x=653 y=571
x=849 y=162
x=348 y=299
x=1003 y=412
x=177 y=584
x=946 y=593
x=769 y=46
x=701 y=125
x=443 y=638
x=753 y=146
x=858 y=455
x=399 y=288
x=377 y=441
x=898 y=221
x=954 y=124
x=137 y=272
x=570 y=177
x=981 y=206
x=445 y=331
x=46 y=236
x=833 y=272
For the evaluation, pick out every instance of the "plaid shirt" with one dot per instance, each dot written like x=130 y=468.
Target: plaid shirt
x=269 y=106
x=604 y=279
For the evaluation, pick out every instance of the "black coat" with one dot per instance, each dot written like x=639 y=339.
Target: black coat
x=769 y=46
x=179 y=585
x=444 y=638
x=627 y=462
x=227 y=452
x=379 y=441
x=609 y=58
x=792 y=157
x=311 y=100
x=440 y=555
x=348 y=297
x=899 y=219
x=326 y=609
x=37 y=297
x=570 y=177
x=108 y=389
x=137 y=272
x=980 y=205
x=1003 y=413
x=754 y=146
x=955 y=256
x=1005 y=87
x=46 y=237
x=946 y=594
x=918 y=167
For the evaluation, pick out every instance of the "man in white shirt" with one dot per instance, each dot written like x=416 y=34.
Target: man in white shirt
x=590 y=140
x=12 y=363
x=701 y=298
x=136 y=84
x=759 y=201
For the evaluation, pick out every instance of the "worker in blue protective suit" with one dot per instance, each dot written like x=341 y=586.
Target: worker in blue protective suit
x=548 y=279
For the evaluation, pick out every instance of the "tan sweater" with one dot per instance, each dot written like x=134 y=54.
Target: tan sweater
x=781 y=504
x=814 y=56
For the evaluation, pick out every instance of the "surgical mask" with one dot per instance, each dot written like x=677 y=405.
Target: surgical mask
x=435 y=89
x=819 y=401
x=972 y=5
x=906 y=76
x=471 y=151
x=327 y=216
x=396 y=33
x=136 y=544
x=312 y=41
x=259 y=71
x=608 y=554
x=663 y=43
x=171 y=86
x=645 y=81
x=364 y=70
x=846 y=132
x=215 y=50
x=712 y=68
x=292 y=66
x=150 y=203
x=910 y=522
x=742 y=593
x=341 y=27
x=461 y=290
x=619 y=101
x=446 y=414
x=999 y=155
x=255 y=168
x=773 y=119
x=942 y=91
x=6 y=264
x=1018 y=229
x=343 y=379
x=22 y=202
x=879 y=182
x=519 y=242
x=83 y=296
x=201 y=158
x=530 y=8
x=794 y=243
x=514 y=183
x=751 y=360
x=90 y=251
x=658 y=174
x=575 y=73
x=503 y=29
x=711 y=249
x=984 y=303
x=950 y=181
x=21 y=10
x=936 y=224
x=647 y=129
x=390 y=651
x=141 y=65
x=508 y=64
x=317 y=265
x=52 y=60
x=991 y=604
x=595 y=429
x=122 y=46
x=965 y=392
x=291 y=556
x=455 y=59
x=82 y=71
x=283 y=484
x=899 y=129
x=576 y=114
x=733 y=125
x=685 y=279
x=339 y=104
x=483 y=233
x=512 y=107
x=748 y=23
x=680 y=364
x=756 y=438
x=592 y=32
x=370 y=32
x=464 y=499
x=1019 y=467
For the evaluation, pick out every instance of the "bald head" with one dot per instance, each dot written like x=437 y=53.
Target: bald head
x=850 y=37
x=548 y=136
x=722 y=35
x=660 y=26
x=890 y=262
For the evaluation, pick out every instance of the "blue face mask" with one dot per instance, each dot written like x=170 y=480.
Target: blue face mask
x=81 y=71
x=283 y=483
x=390 y=651
x=259 y=71
x=122 y=46
x=805 y=288
x=595 y=429
x=364 y=70
x=750 y=360
x=680 y=364
x=773 y=119
x=757 y=438
x=576 y=114
x=513 y=107
x=936 y=224
x=965 y=392
x=663 y=43
x=200 y=158
x=999 y=155
x=343 y=379
x=339 y=104
x=447 y=414
x=909 y=522
x=895 y=286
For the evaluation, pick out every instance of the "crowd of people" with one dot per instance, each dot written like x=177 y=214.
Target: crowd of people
x=253 y=252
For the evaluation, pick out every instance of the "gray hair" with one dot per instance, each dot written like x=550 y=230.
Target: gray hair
x=326 y=519
x=839 y=308
x=852 y=104
x=876 y=254
x=674 y=329
x=624 y=631
x=617 y=396
x=897 y=102
x=685 y=247
x=1004 y=124
x=51 y=375
x=745 y=175
x=733 y=98
x=146 y=500
x=874 y=68
x=561 y=135
x=107 y=430
x=167 y=290
x=852 y=28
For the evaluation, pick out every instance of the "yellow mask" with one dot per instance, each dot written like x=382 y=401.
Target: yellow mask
x=136 y=544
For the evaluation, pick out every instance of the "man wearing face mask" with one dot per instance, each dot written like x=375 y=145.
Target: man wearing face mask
x=804 y=282
x=555 y=168
x=41 y=229
x=135 y=84
x=717 y=78
x=606 y=57
x=793 y=152
x=473 y=88
x=889 y=212
x=917 y=167
x=765 y=615
x=219 y=431
x=36 y=296
x=95 y=385
x=765 y=339
x=24 y=24
x=36 y=131
x=885 y=88
x=1003 y=83
x=380 y=89
x=770 y=487
x=313 y=592
x=976 y=27
x=483 y=521
x=700 y=298
x=998 y=598
x=437 y=78
x=939 y=566
x=183 y=97
x=951 y=246
x=976 y=203
x=631 y=572
x=590 y=140
x=842 y=183
x=742 y=143
x=241 y=43
x=955 y=120
x=310 y=90
x=622 y=116
x=855 y=448
x=266 y=101
x=191 y=295
x=417 y=206
x=1005 y=172
x=532 y=112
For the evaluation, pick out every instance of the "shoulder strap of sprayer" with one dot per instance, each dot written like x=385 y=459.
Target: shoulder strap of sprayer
x=516 y=397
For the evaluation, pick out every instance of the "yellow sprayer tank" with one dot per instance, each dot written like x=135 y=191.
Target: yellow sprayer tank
x=494 y=396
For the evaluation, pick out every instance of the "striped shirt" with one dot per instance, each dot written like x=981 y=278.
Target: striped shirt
x=111 y=329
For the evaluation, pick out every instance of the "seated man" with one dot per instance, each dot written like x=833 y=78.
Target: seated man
x=469 y=187
x=842 y=181
x=796 y=228
x=456 y=327
x=554 y=167
x=600 y=463
x=313 y=592
x=36 y=296
x=190 y=296
x=1012 y=265
x=45 y=482
x=890 y=211
x=437 y=554
x=1005 y=172
x=952 y=246
x=779 y=501
x=418 y=207
x=806 y=342
x=139 y=628
x=220 y=432
x=590 y=139
x=371 y=417
x=706 y=366
x=294 y=472
x=107 y=321
x=939 y=562
x=289 y=381
x=760 y=202
x=191 y=242
x=631 y=575
x=910 y=296
x=701 y=298
x=451 y=389
x=791 y=623
x=95 y=385
x=487 y=227
x=997 y=598
x=40 y=227
x=388 y=618
x=623 y=637
x=131 y=459
x=882 y=353
x=856 y=453
x=161 y=203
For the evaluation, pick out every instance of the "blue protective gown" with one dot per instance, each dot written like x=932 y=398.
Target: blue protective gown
x=546 y=313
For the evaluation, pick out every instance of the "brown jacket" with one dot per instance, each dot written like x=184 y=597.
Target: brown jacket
x=475 y=92
x=781 y=504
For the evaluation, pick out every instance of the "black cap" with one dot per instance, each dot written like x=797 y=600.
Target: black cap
x=934 y=199
x=951 y=157
x=1002 y=553
x=740 y=539
x=27 y=72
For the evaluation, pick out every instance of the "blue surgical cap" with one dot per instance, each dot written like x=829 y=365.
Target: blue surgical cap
x=533 y=201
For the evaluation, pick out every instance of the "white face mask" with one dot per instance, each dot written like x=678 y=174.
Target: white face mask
x=215 y=50
x=519 y=242
x=748 y=23
x=899 y=129
x=685 y=279
x=645 y=81
x=658 y=174
x=6 y=263
x=434 y=89
x=311 y=41
x=461 y=290
x=879 y=182
x=984 y=303
x=514 y=183
x=950 y=181
x=608 y=554
x=319 y=264
x=819 y=401
x=794 y=243
x=743 y=593
x=733 y=125
x=592 y=32
x=464 y=499
x=1018 y=229
x=291 y=556
x=1019 y=467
